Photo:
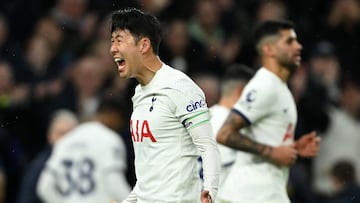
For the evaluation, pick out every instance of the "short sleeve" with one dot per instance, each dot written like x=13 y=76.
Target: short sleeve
x=256 y=102
x=190 y=106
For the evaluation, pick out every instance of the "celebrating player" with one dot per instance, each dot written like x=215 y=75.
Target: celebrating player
x=267 y=114
x=170 y=119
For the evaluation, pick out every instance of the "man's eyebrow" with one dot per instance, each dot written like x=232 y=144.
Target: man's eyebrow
x=117 y=36
x=290 y=38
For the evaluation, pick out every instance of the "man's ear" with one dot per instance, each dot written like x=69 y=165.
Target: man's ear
x=268 y=49
x=145 y=45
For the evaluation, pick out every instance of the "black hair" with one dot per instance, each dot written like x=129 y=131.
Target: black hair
x=344 y=171
x=113 y=104
x=238 y=72
x=139 y=23
x=269 y=28
x=235 y=75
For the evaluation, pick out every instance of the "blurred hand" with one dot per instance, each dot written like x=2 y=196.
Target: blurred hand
x=284 y=155
x=205 y=197
x=308 y=145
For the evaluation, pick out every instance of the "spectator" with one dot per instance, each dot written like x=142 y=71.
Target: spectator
x=210 y=84
x=342 y=28
x=343 y=130
x=180 y=50
x=77 y=23
x=347 y=188
x=83 y=89
x=205 y=27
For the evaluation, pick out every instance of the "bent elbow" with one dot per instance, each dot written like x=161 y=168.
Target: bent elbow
x=221 y=138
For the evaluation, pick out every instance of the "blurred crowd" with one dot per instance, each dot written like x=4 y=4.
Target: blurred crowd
x=54 y=55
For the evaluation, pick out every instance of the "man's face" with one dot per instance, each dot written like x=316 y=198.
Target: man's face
x=125 y=52
x=288 y=50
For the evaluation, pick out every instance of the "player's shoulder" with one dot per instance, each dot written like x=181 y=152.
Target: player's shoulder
x=86 y=132
x=263 y=81
x=178 y=81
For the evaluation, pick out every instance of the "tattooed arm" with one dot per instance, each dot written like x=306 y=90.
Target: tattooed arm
x=229 y=135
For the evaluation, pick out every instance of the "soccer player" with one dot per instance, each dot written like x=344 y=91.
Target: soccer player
x=232 y=84
x=61 y=123
x=170 y=122
x=267 y=115
x=88 y=164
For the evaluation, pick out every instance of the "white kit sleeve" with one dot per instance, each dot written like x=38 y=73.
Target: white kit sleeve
x=46 y=185
x=132 y=197
x=203 y=138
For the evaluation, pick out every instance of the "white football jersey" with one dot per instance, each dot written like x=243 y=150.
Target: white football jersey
x=164 y=112
x=87 y=165
x=218 y=116
x=267 y=104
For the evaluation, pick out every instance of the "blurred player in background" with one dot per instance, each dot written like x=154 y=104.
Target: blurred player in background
x=267 y=114
x=232 y=83
x=62 y=122
x=89 y=163
x=170 y=122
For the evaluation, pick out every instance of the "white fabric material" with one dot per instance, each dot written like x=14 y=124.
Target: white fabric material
x=166 y=111
x=210 y=154
x=227 y=155
x=268 y=105
x=87 y=165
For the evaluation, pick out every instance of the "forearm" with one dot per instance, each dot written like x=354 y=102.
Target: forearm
x=238 y=141
x=203 y=139
x=229 y=135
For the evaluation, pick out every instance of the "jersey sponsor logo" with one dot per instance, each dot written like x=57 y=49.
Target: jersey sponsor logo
x=251 y=96
x=140 y=130
x=195 y=105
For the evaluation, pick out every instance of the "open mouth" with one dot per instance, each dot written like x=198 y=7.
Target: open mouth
x=120 y=63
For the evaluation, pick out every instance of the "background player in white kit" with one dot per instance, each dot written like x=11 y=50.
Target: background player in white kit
x=170 y=120
x=267 y=114
x=232 y=83
x=62 y=122
x=88 y=164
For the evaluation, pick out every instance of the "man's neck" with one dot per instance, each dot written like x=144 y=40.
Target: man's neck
x=151 y=65
x=282 y=72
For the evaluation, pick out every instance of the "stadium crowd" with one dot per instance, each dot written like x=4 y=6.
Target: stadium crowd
x=55 y=54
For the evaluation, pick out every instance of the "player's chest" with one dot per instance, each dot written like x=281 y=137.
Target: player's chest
x=285 y=108
x=153 y=118
x=152 y=107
